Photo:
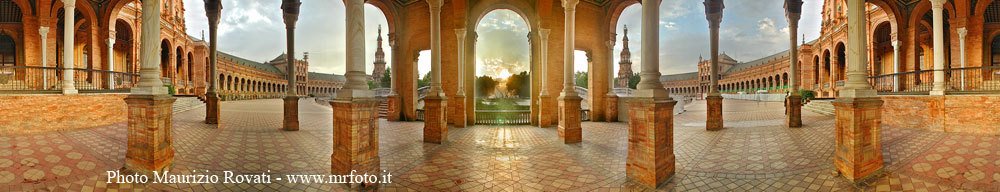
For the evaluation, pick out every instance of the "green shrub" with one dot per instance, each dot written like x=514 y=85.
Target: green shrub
x=807 y=95
x=171 y=90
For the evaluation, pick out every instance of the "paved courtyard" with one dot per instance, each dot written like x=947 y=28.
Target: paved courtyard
x=754 y=153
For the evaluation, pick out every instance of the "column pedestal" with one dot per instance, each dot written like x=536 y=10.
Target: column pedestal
x=650 y=141
x=392 y=101
x=859 y=149
x=793 y=111
x=714 y=120
x=569 y=119
x=545 y=118
x=355 y=136
x=611 y=110
x=435 y=123
x=291 y=113
x=458 y=117
x=150 y=142
x=212 y=108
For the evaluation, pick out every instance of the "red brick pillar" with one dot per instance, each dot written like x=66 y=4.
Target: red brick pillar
x=859 y=148
x=459 y=113
x=212 y=108
x=393 y=103
x=435 y=121
x=545 y=118
x=650 y=141
x=291 y=115
x=150 y=142
x=793 y=110
x=355 y=136
x=611 y=113
x=569 y=119
x=714 y=120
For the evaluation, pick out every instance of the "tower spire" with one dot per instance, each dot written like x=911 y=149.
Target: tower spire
x=379 y=70
x=625 y=65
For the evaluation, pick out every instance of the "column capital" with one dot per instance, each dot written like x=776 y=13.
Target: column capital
x=962 y=32
x=69 y=3
x=111 y=41
x=937 y=4
x=713 y=6
x=611 y=44
x=460 y=32
x=570 y=5
x=895 y=43
x=435 y=4
x=544 y=33
x=43 y=31
x=290 y=10
x=213 y=8
x=793 y=7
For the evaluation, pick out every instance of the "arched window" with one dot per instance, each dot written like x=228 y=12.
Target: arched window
x=9 y=12
x=995 y=51
x=8 y=53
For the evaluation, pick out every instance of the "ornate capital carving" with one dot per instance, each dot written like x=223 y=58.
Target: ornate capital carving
x=793 y=7
x=43 y=31
x=937 y=4
x=290 y=8
x=962 y=32
x=69 y=3
x=435 y=4
x=570 y=5
x=713 y=6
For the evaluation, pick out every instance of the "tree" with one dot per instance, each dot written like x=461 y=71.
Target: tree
x=425 y=81
x=581 y=78
x=485 y=86
x=519 y=84
x=387 y=78
x=633 y=81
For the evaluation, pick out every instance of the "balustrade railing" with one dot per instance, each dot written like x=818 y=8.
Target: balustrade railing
x=503 y=117
x=29 y=80
x=912 y=82
x=974 y=79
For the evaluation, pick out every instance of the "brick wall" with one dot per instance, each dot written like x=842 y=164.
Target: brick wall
x=40 y=113
x=953 y=113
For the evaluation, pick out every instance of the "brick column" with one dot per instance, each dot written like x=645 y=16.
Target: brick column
x=713 y=12
x=793 y=103
x=569 y=101
x=858 y=154
x=435 y=103
x=458 y=118
x=545 y=116
x=611 y=99
x=355 y=125
x=150 y=142
x=213 y=8
x=290 y=9
x=650 y=158
x=69 y=24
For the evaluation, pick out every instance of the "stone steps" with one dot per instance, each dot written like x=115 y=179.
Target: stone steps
x=183 y=104
x=383 y=109
x=824 y=107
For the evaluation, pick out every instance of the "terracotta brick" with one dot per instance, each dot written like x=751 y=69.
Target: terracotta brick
x=545 y=120
x=458 y=117
x=611 y=114
x=950 y=113
x=714 y=122
x=212 y=108
x=291 y=114
x=650 y=158
x=569 y=119
x=858 y=154
x=150 y=141
x=435 y=120
x=793 y=111
x=394 y=111
x=355 y=136
x=44 y=113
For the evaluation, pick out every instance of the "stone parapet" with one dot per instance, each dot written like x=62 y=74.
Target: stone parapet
x=26 y=114
x=858 y=153
x=650 y=158
x=569 y=119
x=974 y=114
x=435 y=119
x=150 y=141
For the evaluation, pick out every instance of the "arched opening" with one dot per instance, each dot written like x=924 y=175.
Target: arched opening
x=995 y=52
x=8 y=51
x=816 y=74
x=179 y=66
x=627 y=31
x=190 y=69
x=841 y=63
x=165 y=58
x=123 y=47
x=502 y=68
x=882 y=49
x=825 y=77
x=582 y=78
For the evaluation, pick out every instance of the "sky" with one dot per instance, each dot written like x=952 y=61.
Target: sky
x=749 y=30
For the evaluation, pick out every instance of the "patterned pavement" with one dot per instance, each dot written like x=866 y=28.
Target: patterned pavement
x=754 y=153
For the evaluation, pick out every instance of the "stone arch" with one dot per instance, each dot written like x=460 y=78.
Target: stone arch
x=124 y=47
x=617 y=8
x=179 y=63
x=165 y=58
x=841 y=54
x=882 y=48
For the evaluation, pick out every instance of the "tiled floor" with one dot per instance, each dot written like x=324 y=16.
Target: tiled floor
x=754 y=153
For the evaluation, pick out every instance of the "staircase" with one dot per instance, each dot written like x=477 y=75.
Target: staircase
x=383 y=109
x=824 y=107
x=183 y=104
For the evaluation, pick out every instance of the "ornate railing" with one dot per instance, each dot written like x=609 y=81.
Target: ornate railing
x=974 y=79
x=624 y=91
x=382 y=92
x=912 y=82
x=503 y=117
x=28 y=79
x=971 y=80
x=420 y=114
x=422 y=92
